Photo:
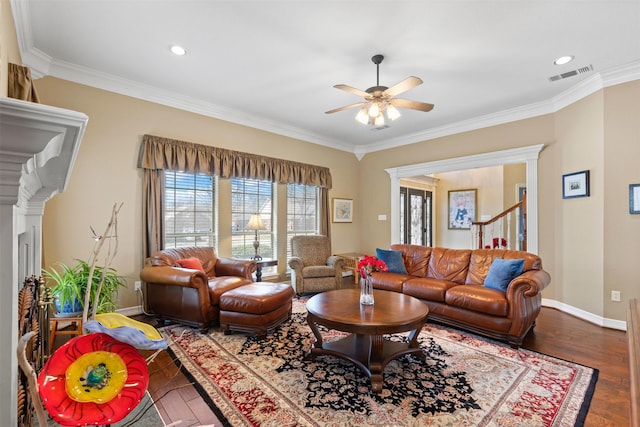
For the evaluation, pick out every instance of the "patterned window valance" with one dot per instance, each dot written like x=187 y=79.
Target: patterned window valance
x=165 y=153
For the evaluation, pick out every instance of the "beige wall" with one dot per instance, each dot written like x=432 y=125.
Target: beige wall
x=621 y=239
x=488 y=184
x=9 y=51
x=105 y=171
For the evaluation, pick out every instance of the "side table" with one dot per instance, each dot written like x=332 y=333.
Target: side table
x=351 y=260
x=76 y=325
x=264 y=262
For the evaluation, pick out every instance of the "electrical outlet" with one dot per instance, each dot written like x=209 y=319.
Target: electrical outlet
x=615 y=296
x=137 y=285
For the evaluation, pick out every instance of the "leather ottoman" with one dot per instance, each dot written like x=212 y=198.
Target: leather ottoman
x=257 y=308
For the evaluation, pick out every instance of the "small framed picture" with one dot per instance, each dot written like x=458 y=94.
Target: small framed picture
x=634 y=198
x=575 y=185
x=462 y=209
x=342 y=210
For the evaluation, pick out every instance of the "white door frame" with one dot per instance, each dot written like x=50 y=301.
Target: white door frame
x=528 y=155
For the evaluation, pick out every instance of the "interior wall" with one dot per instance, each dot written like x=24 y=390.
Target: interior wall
x=9 y=50
x=376 y=181
x=580 y=221
x=489 y=202
x=621 y=238
x=106 y=172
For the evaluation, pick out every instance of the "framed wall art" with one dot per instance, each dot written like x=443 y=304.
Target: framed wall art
x=462 y=209
x=575 y=185
x=634 y=198
x=342 y=210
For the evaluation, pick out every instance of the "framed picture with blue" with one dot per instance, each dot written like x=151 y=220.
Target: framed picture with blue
x=575 y=184
x=462 y=209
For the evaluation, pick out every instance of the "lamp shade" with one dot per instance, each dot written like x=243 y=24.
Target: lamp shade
x=255 y=223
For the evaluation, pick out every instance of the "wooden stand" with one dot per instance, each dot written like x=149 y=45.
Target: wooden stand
x=76 y=324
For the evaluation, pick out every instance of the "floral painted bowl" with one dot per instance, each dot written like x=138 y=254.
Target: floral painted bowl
x=92 y=380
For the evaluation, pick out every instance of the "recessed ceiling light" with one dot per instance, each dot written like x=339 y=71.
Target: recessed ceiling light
x=178 y=50
x=563 y=60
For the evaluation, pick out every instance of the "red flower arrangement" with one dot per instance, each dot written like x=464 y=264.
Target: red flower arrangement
x=368 y=264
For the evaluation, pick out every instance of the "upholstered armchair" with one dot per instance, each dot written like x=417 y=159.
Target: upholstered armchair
x=314 y=268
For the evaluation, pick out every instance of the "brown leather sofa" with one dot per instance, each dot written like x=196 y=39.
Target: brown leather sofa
x=190 y=296
x=450 y=282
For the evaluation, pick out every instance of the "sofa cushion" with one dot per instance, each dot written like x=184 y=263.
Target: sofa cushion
x=416 y=258
x=393 y=260
x=502 y=272
x=193 y=263
x=318 y=271
x=221 y=284
x=427 y=289
x=388 y=281
x=449 y=264
x=478 y=298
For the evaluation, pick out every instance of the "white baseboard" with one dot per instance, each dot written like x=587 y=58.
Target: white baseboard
x=130 y=311
x=585 y=315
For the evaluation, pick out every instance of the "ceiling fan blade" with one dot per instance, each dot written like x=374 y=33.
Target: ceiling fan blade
x=403 y=86
x=414 y=105
x=352 y=90
x=335 y=110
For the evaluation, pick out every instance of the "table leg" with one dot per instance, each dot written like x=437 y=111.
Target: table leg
x=375 y=363
x=258 y=273
x=316 y=332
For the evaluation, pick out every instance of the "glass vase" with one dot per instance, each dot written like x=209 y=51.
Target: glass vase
x=366 y=291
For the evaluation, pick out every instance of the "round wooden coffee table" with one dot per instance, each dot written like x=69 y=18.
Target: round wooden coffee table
x=366 y=346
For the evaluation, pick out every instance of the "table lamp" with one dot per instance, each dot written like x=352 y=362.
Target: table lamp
x=255 y=223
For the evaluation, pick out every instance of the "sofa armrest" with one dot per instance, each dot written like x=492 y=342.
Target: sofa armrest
x=175 y=276
x=236 y=267
x=530 y=283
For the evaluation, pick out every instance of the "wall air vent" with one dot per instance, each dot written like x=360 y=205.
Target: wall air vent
x=571 y=73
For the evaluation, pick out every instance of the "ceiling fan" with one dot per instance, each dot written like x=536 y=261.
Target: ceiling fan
x=380 y=100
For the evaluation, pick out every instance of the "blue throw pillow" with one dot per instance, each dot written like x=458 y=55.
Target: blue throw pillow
x=502 y=272
x=393 y=259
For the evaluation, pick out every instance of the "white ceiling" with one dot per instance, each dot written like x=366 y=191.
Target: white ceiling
x=272 y=64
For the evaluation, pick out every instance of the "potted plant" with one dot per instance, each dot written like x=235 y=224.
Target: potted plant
x=70 y=283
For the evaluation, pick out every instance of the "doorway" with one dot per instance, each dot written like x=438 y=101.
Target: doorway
x=528 y=155
x=416 y=216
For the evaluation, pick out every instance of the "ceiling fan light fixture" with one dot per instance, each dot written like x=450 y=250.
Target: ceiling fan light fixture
x=392 y=112
x=379 y=120
x=374 y=109
x=363 y=116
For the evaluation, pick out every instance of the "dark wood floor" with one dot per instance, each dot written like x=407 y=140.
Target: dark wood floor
x=556 y=334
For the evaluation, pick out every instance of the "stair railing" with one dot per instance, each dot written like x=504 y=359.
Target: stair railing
x=480 y=225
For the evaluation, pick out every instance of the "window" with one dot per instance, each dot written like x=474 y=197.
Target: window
x=189 y=209
x=302 y=212
x=248 y=197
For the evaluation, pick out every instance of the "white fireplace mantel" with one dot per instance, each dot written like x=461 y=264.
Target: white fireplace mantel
x=38 y=147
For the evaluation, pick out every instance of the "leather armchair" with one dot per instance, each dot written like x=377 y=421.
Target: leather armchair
x=188 y=296
x=314 y=268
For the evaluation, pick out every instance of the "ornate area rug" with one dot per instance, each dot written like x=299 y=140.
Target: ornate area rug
x=465 y=381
